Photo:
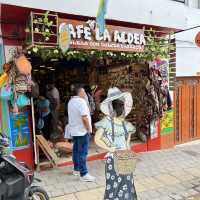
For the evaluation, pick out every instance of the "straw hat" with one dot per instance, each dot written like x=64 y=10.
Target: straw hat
x=113 y=94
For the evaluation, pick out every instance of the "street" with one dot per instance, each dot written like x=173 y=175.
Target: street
x=161 y=175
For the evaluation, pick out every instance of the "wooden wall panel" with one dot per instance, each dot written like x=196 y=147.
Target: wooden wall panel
x=187 y=109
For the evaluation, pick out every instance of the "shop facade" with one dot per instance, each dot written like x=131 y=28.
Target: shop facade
x=108 y=60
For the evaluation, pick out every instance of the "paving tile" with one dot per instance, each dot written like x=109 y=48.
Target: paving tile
x=67 y=197
x=161 y=175
x=167 y=179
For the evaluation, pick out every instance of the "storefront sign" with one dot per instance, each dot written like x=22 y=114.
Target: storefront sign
x=64 y=37
x=115 y=38
x=197 y=39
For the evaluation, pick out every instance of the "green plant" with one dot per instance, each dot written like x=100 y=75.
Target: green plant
x=154 y=46
x=45 y=29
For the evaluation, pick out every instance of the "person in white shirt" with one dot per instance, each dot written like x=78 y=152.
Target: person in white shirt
x=80 y=128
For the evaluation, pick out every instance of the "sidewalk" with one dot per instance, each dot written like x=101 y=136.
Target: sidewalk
x=162 y=175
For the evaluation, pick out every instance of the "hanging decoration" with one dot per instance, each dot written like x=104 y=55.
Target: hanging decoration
x=42 y=29
x=64 y=37
x=100 y=19
x=15 y=82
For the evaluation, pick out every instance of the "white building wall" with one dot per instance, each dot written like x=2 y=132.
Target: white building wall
x=188 y=54
x=165 y=13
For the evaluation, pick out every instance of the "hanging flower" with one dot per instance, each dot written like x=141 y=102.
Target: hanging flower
x=27 y=30
x=92 y=52
x=36 y=30
x=35 y=20
x=40 y=20
x=56 y=51
x=46 y=38
x=35 y=49
x=47 y=30
x=70 y=53
x=29 y=52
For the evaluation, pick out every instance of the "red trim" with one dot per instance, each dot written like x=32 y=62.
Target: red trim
x=154 y=144
x=15 y=26
x=25 y=155
x=139 y=148
x=101 y=156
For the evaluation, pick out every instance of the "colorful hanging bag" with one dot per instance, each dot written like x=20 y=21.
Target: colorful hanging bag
x=6 y=92
x=3 y=79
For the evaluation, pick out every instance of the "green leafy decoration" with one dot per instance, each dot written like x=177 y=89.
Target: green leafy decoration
x=154 y=46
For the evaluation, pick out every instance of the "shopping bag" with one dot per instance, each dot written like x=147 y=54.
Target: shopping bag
x=40 y=123
x=67 y=132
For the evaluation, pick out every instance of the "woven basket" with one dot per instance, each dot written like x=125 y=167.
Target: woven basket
x=124 y=162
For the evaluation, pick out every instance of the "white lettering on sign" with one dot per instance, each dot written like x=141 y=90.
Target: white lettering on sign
x=117 y=37
x=84 y=32
x=87 y=33
x=83 y=35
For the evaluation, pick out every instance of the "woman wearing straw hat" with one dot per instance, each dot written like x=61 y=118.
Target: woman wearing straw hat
x=113 y=134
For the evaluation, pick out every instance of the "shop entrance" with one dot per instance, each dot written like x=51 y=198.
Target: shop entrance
x=102 y=75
